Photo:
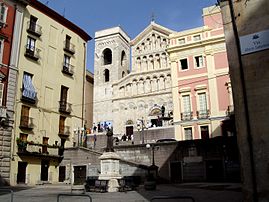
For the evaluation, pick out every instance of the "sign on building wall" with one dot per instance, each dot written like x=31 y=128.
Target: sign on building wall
x=254 y=42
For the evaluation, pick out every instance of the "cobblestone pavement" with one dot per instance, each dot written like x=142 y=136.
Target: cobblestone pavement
x=201 y=192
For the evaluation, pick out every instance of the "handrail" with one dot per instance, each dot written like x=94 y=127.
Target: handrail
x=9 y=191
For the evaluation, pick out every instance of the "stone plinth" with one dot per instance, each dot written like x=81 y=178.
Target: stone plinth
x=110 y=170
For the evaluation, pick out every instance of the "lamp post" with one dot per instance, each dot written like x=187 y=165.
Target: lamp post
x=150 y=183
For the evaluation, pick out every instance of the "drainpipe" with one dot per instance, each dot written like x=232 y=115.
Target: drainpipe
x=83 y=86
x=249 y=135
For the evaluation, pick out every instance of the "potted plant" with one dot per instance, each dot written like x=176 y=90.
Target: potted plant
x=21 y=144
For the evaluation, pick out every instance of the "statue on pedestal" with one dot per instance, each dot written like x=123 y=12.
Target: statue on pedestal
x=109 y=146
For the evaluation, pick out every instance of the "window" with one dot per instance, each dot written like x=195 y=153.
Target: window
x=25 y=116
x=184 y=64
x=67 y=41
x=33 y=23
x=107 y=55
x=23 y=137
x=30 y=47
x=123 y=74
x=204 y=132
x=61 y=125
x=186 y=103
x=123 y=58
x=202 y=102
x=64 y=91
x=199 y=62
x=66 y=61
x=197 y=37
x=106 y=74
x=1 y=93
x=1 y=49
x=3 y=14
x=181 y=41
x=28 y=90
x=188 y=133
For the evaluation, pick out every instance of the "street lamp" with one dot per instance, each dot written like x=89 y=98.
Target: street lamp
x=150 y=183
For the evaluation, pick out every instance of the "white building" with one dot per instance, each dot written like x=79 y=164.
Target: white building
x=123 y=95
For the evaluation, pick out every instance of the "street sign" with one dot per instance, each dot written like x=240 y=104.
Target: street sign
x=254 y=42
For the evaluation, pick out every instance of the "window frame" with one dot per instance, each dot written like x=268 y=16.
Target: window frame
x=181 y=39
x=192 y=132
x=196 y=35
x=188 y=66
x=203 y=61
x=200 y=131
x=4 y=20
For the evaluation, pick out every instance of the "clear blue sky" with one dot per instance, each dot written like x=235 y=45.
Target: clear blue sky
x=132 y=15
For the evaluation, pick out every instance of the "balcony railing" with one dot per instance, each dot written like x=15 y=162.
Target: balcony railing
x=65 y=107
x=68 y=69
x=39 y=150
x=230 y=110
x=69 y=47
x=202 y=114
x=32 y=52
x=28 y=99
x=64 y=131
x=34 y=28
x=185 y=116
x=26 y=122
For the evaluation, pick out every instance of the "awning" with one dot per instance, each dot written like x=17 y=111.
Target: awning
x=28 y=87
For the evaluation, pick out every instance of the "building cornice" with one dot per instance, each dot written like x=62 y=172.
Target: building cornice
x=60 y=19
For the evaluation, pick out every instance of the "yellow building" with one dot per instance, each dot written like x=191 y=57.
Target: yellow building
x=49 y=98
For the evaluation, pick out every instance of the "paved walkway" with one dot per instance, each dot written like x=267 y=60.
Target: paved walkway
x=201 y=192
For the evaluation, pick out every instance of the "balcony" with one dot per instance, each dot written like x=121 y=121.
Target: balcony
x=202 y=114
x=32 y=52
x=26 y=123
x=28 y=99
x=64 y=131
x=69 y=47
x=65 y=107
x=34 y=29
x=230 y=110
x=68 y=69
x=31 y=149
x=186 y=116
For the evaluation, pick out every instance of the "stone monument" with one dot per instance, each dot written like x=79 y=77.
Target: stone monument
x=110 y=165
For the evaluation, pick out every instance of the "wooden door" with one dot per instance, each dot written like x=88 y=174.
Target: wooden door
x=21 y=176
x=44 y=170
x=25 y=116
x=79 y=174
x=62 y=170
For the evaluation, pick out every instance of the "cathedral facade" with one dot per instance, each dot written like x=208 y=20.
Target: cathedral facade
x=132 y=93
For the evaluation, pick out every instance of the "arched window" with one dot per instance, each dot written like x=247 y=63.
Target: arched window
x=123 y=59
x=107 y=55
x=106 y=74
x=123 y=74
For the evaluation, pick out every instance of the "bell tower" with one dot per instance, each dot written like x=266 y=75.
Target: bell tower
x=111 y=63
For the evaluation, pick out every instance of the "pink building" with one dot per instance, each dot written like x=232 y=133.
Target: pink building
x=200 y=79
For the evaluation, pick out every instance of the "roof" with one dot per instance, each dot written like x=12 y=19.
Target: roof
x=60 y=19
x=149 y=28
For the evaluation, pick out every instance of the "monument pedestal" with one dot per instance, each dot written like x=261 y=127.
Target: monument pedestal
x=110 y=170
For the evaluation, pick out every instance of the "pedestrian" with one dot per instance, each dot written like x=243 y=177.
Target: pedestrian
x=124 y=137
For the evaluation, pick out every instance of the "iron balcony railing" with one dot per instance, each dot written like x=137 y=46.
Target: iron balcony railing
x=32 y=52
x=185 y=116
x=65 y=107
x=69 y=47
x=203 y=114
x=68 y=69
x=34 y=28
x=26 y=122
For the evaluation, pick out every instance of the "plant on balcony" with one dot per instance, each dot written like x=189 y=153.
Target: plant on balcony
x=22 y=144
